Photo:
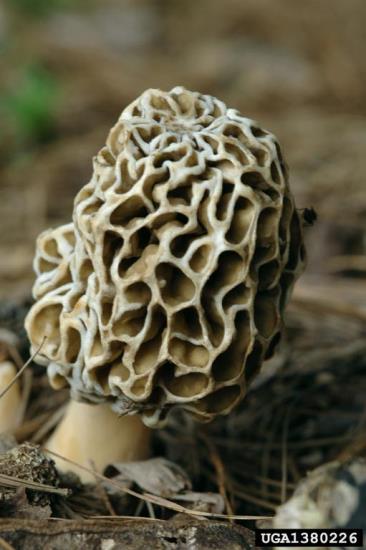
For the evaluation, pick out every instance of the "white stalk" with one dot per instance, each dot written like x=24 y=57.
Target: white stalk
x=95 y=436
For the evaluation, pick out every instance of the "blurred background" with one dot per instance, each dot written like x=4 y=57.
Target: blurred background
x=68 y=68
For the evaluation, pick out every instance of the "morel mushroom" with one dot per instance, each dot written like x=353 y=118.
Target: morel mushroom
x=169 y=286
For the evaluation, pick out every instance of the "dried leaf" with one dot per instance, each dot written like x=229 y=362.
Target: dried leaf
x=157 y=475
x=205 y=502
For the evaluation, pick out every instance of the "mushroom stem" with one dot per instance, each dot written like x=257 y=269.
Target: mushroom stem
x=11 y=401
x=95 y=436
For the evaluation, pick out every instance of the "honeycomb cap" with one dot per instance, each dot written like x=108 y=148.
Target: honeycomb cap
x=168 y=288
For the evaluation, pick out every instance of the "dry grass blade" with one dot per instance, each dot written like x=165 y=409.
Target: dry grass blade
x=12 y=481
x=48 y=425
x=150 y=509
x=29 y=427
x=220 y=472
x=5 y=545
x=102 y=492
x=15 y=355
x=254 y=445
x=266 y=480
x=284 y=464
x=26 y=392
x=254 y=500
x=20 y=372
x=153 y=499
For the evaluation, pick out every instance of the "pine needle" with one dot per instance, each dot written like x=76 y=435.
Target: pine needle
x=154 y=499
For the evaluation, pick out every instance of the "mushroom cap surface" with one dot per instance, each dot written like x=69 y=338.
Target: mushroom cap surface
x=169 y=286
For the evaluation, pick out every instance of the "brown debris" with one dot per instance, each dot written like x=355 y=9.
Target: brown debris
x=26 y=463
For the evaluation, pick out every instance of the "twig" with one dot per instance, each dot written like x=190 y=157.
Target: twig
x=12 y=481
x=20 y=372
